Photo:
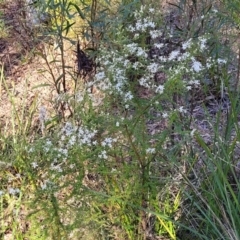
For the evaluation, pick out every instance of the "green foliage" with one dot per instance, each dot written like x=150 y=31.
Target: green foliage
x=3 y=28
x=233 y=9
x=119 y=165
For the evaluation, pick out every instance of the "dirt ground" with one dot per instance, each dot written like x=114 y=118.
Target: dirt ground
x=25 y=77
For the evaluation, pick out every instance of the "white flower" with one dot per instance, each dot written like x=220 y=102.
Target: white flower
x=189 y=88
x=150 y=150
x=85 y=136
x=135 y=65
x=46 y=149
x=162 y=58
x=153 y=67
x=141 y=52
x=164 y=115
x=192 y=132
x=104 y=84
x=63 y=151
x=203 y=43
x=72 y=166
x=182 y=110
x=221 y=61
x=34 y=165
x=48 y=142
x=128 y=96
x=159 y=89
x=158 y=45
x=103 y=154
x=151 y=10
x=68 y=129
x=131 y=29
x=99 y=76
x=173 y=55
x=72 y=140
x=150 y=24
x=194 y=82
x=197 y=66
x=155 y=33
x=139 y=25
x=1 y=193
x=136 y=36
x=58 y=168
x=13 y=191
x=117 y=124
x=126 y=62
x=187 y=44
x=183 y=56
x=143 y=82
x=108 y=142
x=43 y=186
x=31 y=149
x=42 y=117
x=42 y=114
x=132 y=47
x=79 y=97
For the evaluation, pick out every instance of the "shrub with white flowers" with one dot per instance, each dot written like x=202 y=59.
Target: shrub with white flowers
x=108 y=157
x=140 y=54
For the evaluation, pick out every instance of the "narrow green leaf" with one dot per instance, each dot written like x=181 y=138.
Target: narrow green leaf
x=201 y=142
x=41 y=85
x=81 y=14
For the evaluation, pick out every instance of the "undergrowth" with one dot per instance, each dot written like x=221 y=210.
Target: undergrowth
x=124 y=155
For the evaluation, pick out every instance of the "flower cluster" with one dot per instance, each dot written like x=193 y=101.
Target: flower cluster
x=57 y=150
x=11 y=191
x=132 y=61
x=56 y=153
x=118 y=66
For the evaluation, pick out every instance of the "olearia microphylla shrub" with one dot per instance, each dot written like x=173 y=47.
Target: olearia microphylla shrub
x=108 y=162
x=144 y=50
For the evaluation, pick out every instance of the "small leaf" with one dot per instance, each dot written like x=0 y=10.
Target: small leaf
x=68 y=27
x=78 y=10
x=41 y=85
x=175 y=5
x=201 y=142
x=59 y=78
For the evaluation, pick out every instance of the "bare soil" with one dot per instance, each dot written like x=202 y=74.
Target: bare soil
x=26 y=77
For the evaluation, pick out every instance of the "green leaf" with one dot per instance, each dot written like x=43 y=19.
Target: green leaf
x=78 y=10
x=68 y=27
x=201 y=142
x=59 y=78
x=41 y=85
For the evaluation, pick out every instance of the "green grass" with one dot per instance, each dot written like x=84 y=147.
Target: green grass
x=3 y=28
x=126 y=161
